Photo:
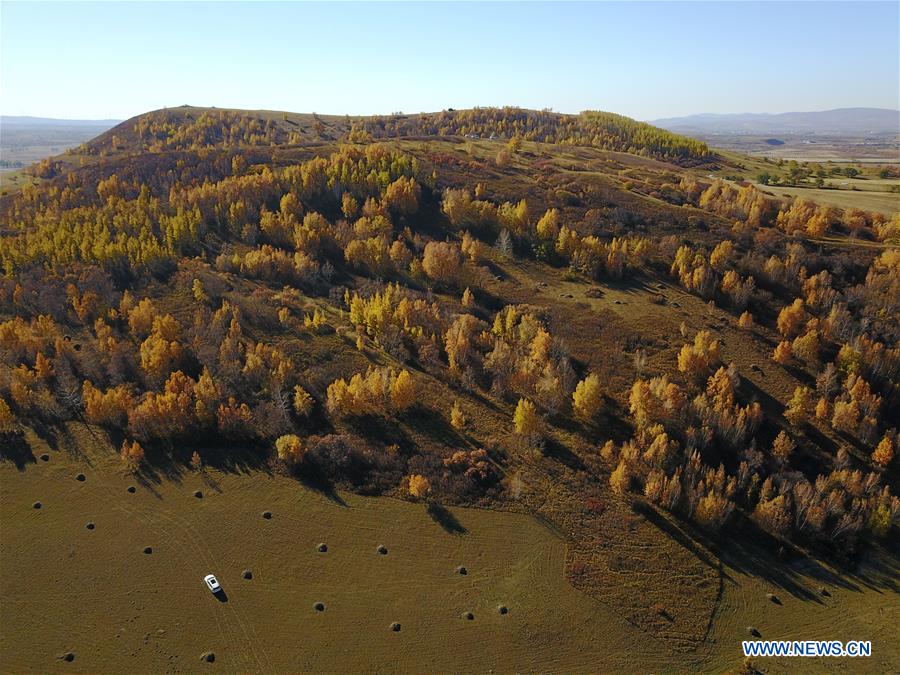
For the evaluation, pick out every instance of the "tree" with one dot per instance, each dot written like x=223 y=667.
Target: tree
x=402 y=196
x=807 y=346
x=884 y=453
x=403 y=392
x=132 y=454
x=783 y=447
x=547 y=227
x=791 y=318
x=419 y=487
x=441 y=261
x=303 y=402
x=467 y=298
x=457 y=417
x=846 y=416
x=799 y=407
x=587 y=399
x=782 y=353
x=695 y=360
x=196 y=461
x=620 y=478
x=526 y=420
x=8 y=424
x=745 y=321
x=290 y=449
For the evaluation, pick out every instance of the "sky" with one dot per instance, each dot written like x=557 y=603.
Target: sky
x=646 y=60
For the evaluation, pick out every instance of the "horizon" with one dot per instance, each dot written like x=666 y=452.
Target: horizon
x=428 y=112
x=310 y=57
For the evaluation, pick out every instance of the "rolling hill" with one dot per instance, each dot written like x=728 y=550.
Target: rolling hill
x=490 y=388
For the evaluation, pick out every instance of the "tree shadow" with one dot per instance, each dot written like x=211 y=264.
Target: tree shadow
x=17 y=451
x=443 y=517
x=314 y=479
x=560 y=453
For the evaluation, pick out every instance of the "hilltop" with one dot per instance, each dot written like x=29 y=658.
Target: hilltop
x=574 y=367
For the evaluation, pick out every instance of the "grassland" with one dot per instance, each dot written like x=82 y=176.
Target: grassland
x=94 y=593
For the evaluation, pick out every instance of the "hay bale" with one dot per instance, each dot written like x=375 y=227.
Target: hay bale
x=322 y=548
x=90 y=526
x=395 y=627
x=37 y=505
x=824 y=591
x=382 y=549
x=773 y=598
x=148 y=550
x=68 y=657
x=132 y=489
x=754 y=631
x=503 y=609
x=198 y=494
x=468 y=616
x=80 y=477
x=319 y=606
x=45 y=457
x=462 y=570
x=208 y=657
x=267 y=515
x=247 y=574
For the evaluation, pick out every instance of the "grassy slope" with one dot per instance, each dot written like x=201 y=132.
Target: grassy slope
x=94 y=593
x=622 y=560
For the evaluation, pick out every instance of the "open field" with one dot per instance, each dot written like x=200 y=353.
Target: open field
x=858 y=198
x=94 y=593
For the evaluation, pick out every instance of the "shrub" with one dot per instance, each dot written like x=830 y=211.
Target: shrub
x=419 y=487
x=290 y=449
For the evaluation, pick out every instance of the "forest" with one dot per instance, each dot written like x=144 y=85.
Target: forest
x=174 y=283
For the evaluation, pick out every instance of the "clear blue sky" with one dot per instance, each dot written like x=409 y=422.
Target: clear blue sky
x=643 y=59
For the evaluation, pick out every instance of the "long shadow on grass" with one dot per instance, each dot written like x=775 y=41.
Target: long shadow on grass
x=443 y=517
x=17 y=451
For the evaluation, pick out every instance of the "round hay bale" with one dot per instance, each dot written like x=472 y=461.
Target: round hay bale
x=468 y=616
x=90 y=526
x=382 y=549
x=198 y=494
x=462 y=570
x=45 y=457
x=37 y=505
x=754 y=631
x=322 y=548
x=773 y=598
x=319 y=606
x=395 y=627
x=208 y=657
x=247 y=574
x=148 y=550
x=132 y=489
x=503 y=609
x=67 y=657
x=81 y=477
x=824 y=591
x=267 y=515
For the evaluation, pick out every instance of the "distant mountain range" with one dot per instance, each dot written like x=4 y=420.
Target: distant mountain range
x=26 y=121
x=839 y=122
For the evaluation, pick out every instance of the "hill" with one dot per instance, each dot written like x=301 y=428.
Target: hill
x=629 y=397
x=839 y=122
x=187 y=127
